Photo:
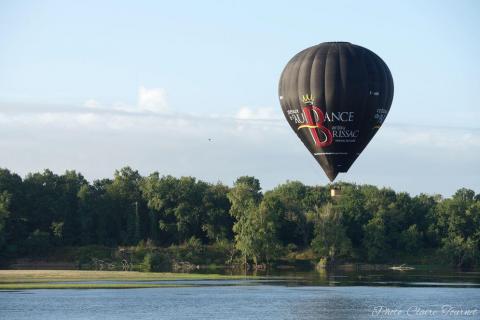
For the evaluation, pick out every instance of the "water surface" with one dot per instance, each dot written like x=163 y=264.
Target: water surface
x=364 y=295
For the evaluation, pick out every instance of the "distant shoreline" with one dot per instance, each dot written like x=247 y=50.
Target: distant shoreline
x=346 y=274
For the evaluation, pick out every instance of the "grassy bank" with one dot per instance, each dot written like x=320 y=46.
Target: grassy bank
x=52 y=279
x=29 y=286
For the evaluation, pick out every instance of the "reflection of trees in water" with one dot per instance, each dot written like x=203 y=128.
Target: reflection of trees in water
x=99 y=264
x=331 y=306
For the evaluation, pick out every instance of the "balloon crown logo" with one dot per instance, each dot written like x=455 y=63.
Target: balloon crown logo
x=307 y=99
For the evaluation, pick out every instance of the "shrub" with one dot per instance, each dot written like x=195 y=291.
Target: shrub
x=153 y=262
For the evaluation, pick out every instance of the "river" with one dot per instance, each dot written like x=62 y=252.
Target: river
x=369 y=295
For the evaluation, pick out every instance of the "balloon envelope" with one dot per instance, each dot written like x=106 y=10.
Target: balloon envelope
x=335 y=96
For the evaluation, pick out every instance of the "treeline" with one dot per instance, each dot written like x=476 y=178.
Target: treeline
x=46 y=210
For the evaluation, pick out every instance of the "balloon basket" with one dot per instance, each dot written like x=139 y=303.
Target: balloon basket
x=335 y=192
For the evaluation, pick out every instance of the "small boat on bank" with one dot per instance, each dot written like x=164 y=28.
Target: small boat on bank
x=402 y=267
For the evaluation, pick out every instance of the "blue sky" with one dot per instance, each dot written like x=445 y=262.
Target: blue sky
x=96 y=85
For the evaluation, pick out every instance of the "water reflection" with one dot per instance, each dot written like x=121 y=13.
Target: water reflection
x=366 y=277
x=237 y=302
x=339 y=294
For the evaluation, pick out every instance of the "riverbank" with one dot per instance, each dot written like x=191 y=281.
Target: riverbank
x=189 y=258
x=75 y=279
x=346 y=275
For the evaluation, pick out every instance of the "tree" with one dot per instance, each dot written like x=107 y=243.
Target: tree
x=46 y=209
x=126 y=201
x=244 y=198
x=160 y=193
x=15 y=219
x=186 y=207
x=458 y=226
x=330 y=240
x=286 y=203
x=4 y=213
x=189 y=210
x=88 y=214
x=375 y=241
x=217 y=223
x=97 y=206
x=462 y=252
x=69 y=185
x=42 y=200
x=355 y=215
x=254 y=225
x=411 y=239
x=424 y=208
x=52 y=198
x=266 y=241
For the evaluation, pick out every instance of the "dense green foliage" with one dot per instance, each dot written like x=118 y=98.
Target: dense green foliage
x=45 y=211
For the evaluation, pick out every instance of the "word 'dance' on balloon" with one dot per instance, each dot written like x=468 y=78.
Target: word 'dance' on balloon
x=335 y=96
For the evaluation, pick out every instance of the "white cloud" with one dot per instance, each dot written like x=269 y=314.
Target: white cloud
x=253 y=141
x=87 y=118
x=91 y=103
x=247 y=113
x=445 y=138
x=153 y=100
x=261 y=118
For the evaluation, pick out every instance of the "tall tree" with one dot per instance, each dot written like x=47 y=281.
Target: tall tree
x=218 y=223
x=286 y=203
x=15 y=218
x=160 y=195
x=124 y=193
x=4 y=213
x=331 y=239
x=254 y=226
x=352 y=205
x=69 y=185
x=458 y=224
x=375 y=240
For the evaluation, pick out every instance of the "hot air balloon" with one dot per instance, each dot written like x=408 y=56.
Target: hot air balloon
x=335 y=96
